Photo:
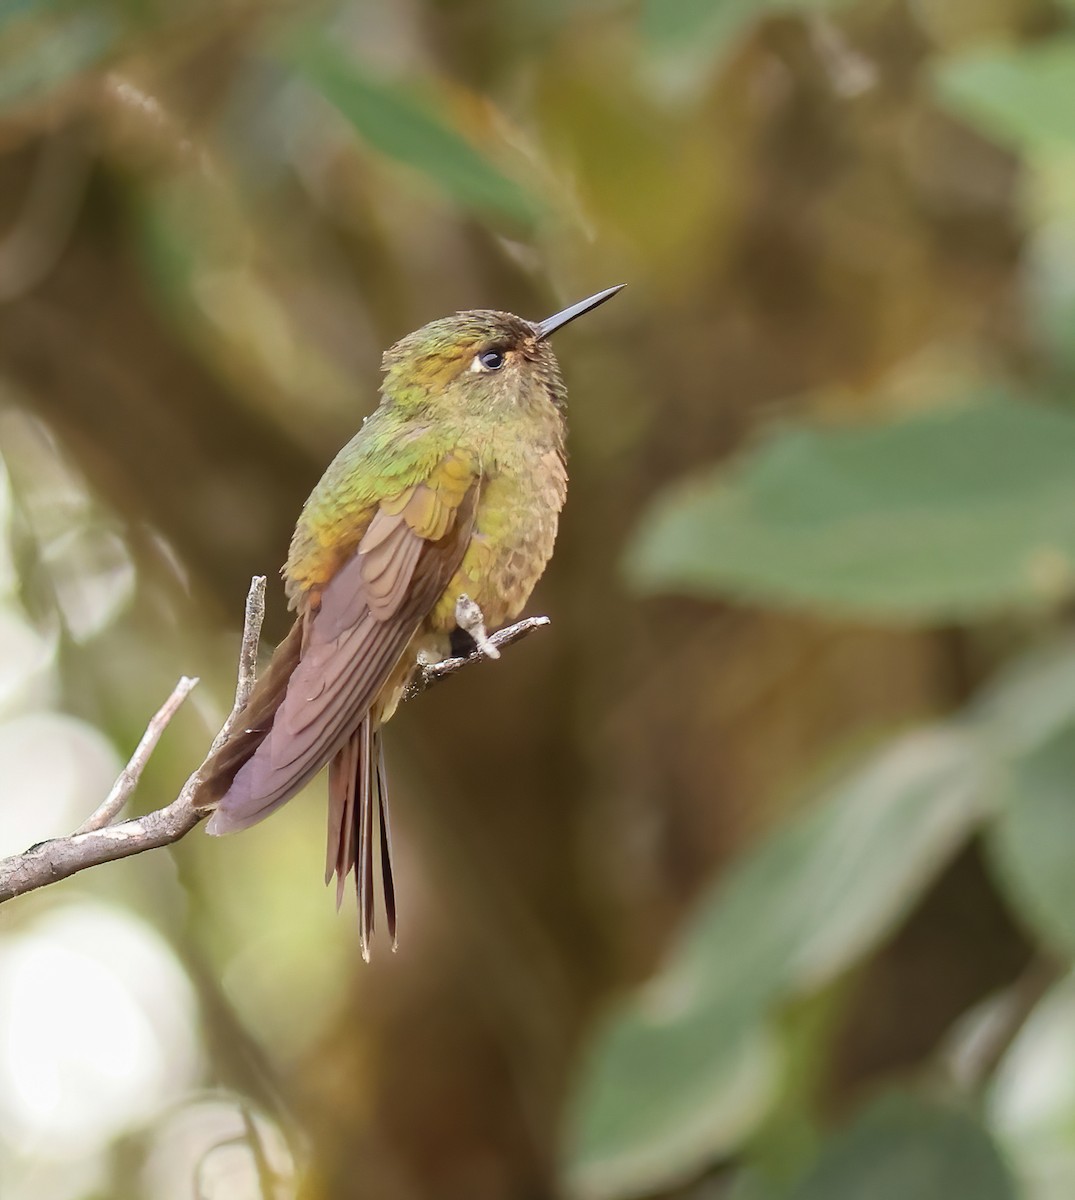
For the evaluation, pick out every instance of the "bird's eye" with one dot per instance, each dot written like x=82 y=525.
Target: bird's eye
x=491 y=360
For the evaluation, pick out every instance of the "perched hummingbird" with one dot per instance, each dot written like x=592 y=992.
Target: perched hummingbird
x=452 y=487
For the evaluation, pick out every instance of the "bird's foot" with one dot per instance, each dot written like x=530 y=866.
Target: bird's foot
x=469 y=618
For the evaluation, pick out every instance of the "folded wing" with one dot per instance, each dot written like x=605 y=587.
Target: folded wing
x=350 y=637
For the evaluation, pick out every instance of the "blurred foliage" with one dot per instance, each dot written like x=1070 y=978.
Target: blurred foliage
x=405 y=129
x=900 y=1148
x=818 y=895
x=934 y=516
x=751 y=879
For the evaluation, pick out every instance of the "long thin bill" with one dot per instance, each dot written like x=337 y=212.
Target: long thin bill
x=551 y=324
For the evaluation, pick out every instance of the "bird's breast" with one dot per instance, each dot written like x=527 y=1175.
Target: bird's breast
x=514 y=533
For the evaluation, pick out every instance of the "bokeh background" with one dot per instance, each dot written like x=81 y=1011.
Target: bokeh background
x=753 y=877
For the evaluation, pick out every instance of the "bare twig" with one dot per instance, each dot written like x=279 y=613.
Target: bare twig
x=253 y=618
x=98 y=842
x=430 y=673
x=59 y=858
x=112 y=805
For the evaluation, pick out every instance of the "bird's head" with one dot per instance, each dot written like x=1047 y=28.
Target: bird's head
x=483 y=360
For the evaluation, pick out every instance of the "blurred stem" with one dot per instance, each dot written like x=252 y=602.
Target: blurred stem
x=266 y=1175
x=997 y=1038
x=34 y=243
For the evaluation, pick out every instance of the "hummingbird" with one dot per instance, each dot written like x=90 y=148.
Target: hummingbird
x=446 y=502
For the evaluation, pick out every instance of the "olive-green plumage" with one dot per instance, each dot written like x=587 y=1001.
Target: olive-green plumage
x=452 y=486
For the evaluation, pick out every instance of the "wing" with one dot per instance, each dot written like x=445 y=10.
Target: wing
x=354 y=631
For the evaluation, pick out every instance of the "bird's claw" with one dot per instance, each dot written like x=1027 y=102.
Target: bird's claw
x=469 y=617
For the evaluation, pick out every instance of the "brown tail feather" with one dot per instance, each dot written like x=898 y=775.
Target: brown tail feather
x=253 y=723
x=364 y=865
x=387 y=881
x=358 y=797
x=342 y=778
x=357 y=786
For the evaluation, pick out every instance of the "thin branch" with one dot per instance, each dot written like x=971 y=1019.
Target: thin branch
x=432 y=673
x=112 y=805
x=253 y=618
x=98 y=842
x=48 y=862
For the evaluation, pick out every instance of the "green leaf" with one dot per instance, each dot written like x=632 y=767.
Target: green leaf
x=1027 y=717
x=674 y=1079
x=1022 y=96
x=950 y=514
x=670 y=1087
x=1033 y=841
x=902 y=1149
x=826 y=887
x=409 y=130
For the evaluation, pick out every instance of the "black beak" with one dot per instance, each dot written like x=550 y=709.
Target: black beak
x=551 y=324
